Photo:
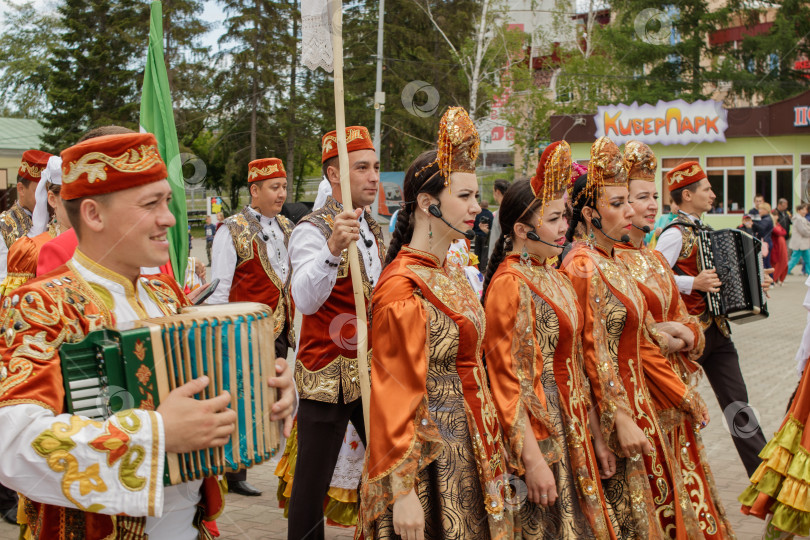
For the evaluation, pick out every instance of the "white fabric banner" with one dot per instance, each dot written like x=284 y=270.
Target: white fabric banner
x=316 y=34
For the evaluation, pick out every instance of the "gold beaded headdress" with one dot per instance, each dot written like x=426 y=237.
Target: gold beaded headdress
x=553 y=174
x=639 y=161
x=458 y=143
x=605 y=168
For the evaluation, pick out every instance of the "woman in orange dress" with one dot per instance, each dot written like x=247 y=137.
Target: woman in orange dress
x=49 y=220
x=533 y=352
x=435 y=464
x=646 y=494
x=655 y=281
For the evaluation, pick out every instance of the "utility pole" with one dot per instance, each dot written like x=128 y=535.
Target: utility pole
x=379 y=95
x=379 y=103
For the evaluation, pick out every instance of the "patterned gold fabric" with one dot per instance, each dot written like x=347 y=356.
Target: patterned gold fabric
x=14 y=224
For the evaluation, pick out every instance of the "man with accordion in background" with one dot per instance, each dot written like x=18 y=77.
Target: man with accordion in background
x=680 y=244
x=93 y=479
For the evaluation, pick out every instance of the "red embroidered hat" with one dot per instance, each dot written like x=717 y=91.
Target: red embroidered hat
x=111 y=163
x=639 y=161
x=357 y=138
x=32 y=164
x=684 y=174
x=265 y=168
x=553 y=172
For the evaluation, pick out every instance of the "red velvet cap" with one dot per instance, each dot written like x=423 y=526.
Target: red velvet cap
x=111 y=163
x=684 y=174
x=265 y=168
x=32 y=164
x=357 y=138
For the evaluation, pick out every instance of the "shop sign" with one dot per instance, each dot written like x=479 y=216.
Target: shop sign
x=801 y=116
x=667 y=122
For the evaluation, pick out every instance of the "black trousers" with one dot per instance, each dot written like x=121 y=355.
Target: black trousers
x=321 y=429
x=722 y=367
x=8 y=498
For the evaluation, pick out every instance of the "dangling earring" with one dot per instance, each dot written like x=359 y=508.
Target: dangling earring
x=591 y=238
x=524 y=256
x=430 y=236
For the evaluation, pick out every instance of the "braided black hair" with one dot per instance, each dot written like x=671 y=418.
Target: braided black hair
x=422 y=177
x=579 y=200
x=518 y=206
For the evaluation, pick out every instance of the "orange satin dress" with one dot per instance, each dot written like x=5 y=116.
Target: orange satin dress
x=647 y=496
x=656 y=282
x=433 y=424
x=533 y=350
x=22 y=260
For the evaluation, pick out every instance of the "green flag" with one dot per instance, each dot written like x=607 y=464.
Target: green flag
x=157 y=118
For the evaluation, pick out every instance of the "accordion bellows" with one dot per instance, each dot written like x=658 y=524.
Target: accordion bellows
x=233 y=344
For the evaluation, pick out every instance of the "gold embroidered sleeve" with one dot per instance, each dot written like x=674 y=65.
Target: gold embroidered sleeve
x=513 y=358
x=403 y=437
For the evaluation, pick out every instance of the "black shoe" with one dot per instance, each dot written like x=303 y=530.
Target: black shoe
x=243 y=488
x=10 y=515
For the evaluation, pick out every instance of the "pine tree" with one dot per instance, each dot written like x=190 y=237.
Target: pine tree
x=28 y=36
x=95 y=70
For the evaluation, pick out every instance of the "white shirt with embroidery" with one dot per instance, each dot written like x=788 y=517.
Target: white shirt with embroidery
x=669 y=244
x=223 y=256
x=315 y=268
x=171 y=510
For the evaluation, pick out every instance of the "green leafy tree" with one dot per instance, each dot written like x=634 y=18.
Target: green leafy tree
x=95 y=70
x=28 y=36
x=761 y=68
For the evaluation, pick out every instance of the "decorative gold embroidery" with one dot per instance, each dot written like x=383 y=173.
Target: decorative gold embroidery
x=323 y=384
x=55 y=445
x=94 y=164
x=32 y=170
x=256 y=172
x=14 y=224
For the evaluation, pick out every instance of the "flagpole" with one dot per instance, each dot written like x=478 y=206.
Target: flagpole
x=336 y=17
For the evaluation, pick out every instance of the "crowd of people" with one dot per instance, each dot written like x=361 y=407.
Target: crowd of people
x=559 y=402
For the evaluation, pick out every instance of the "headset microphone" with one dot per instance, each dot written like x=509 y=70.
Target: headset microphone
x=597 y=224
x=435 y=211
x=531 y=235
x=645 y=229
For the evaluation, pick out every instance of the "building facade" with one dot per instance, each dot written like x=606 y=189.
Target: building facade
x=766 y=151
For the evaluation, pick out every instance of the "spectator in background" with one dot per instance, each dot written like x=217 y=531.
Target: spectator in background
x=662 y=221
x=754 y=212
x=747 y=225
x=483 y=222
x=220 y=219
x=210 y=231
x=800 y=239
x=498 y=190
x=764 y=230
x=392 y=223
x=779 y=254
x=783 y=215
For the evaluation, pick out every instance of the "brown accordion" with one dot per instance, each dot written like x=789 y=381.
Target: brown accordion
x=737 y=258
x=233 y=344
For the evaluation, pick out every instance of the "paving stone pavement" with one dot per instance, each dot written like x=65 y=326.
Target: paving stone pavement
x=767 y=350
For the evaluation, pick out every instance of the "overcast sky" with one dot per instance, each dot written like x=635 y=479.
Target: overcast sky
x=212 y=13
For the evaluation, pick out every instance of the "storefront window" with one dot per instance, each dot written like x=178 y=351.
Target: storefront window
x=727 y=176
x=774 y=178
x=805 y=177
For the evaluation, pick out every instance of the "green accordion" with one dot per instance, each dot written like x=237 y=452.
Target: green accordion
x=233 y=344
